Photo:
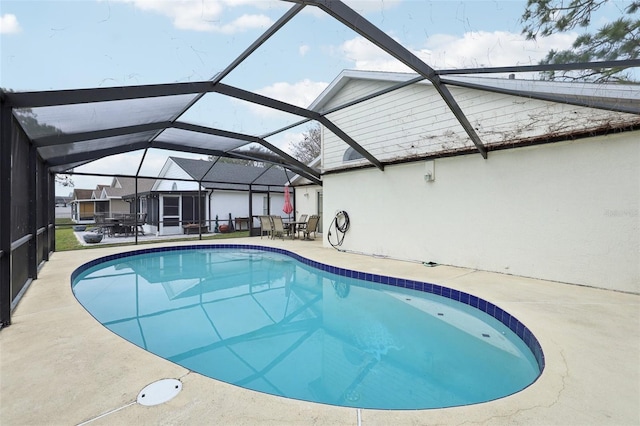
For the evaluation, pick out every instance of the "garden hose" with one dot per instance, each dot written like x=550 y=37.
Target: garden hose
x=341 y=225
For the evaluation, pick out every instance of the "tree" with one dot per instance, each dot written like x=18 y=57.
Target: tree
x=64 y=180
x=615 y=40
x=308 y=149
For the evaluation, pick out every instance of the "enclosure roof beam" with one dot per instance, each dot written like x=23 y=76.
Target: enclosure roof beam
x=616 y=104
x=105 y=94
x=64 y=138
x=255 y=98
x=366 y=29
x=625 y=63
x=219 y=76
x=94 y=154
x=348 y=104
x=251 y=156
x=260 y=40
x=248 y=138
x=177 y=146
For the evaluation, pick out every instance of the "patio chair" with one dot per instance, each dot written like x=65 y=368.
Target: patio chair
x=278 y=227
x=142 y=219
x=102 y=226
x=312 y=226
x=302 y=224
x=265 y=226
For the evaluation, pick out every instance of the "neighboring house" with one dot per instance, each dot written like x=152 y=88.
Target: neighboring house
x=116 y=194
x=192 y=192
x=82 y=206
x=107 y=199
x=557 y=197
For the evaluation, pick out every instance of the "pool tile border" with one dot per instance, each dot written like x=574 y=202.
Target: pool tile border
x=459 y=296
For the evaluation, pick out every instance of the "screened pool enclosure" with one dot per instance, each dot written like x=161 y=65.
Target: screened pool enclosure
x=55 y=131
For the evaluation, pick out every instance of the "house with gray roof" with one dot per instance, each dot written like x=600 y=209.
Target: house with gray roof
x=108 y=199
x=189 y=192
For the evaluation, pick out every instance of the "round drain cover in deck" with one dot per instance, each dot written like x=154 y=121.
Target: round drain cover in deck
x=159 y=392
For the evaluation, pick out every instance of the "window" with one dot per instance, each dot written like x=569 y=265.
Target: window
x=102 y=207
x=190 y=209
x=351 y=154
x=171 y=211
x=153 y=211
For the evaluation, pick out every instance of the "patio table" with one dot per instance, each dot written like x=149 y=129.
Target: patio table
x=292 y=226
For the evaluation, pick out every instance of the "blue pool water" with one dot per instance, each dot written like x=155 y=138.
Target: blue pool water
x=271 y=321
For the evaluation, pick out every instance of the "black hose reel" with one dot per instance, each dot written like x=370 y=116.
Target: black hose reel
x=339 y=226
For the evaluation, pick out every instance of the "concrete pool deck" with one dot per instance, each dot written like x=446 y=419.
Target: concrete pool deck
x=59 y=366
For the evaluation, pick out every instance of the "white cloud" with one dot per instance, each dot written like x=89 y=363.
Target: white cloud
x=286 y=140
x=364 y=6
x=9 y=24
x=203 y=15
x=245 y=22
x=491 y=49
x=473 y=49
x=301 y=94
x=304 y=49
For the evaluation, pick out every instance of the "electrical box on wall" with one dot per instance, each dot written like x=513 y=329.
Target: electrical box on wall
x=429 y=171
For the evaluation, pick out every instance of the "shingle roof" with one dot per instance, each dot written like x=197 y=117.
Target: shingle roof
x=82 y=194
x=224 y=175
x=128 y=186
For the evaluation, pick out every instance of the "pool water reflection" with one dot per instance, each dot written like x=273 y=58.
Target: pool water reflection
x=268 y=322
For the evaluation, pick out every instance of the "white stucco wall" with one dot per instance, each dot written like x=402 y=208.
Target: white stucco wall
x=225 y=202
x=566 y=212
x=237 y=203
x=307 y=200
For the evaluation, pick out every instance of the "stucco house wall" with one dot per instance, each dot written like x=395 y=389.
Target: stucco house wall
x=307 y=200
x=557 y=198
x=565 y=212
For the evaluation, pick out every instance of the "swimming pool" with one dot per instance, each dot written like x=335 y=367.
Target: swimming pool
x=269 y=320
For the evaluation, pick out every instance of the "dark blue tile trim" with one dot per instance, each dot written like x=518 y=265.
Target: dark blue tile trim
x=468 y=299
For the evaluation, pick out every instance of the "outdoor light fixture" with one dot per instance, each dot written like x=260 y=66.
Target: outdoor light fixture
x=429 y=171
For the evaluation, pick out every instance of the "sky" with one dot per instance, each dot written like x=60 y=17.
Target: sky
x=52 y=45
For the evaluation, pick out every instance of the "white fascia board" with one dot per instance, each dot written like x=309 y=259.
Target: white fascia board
x=162 y=173
x=586 y=89
x=313 y=164
x=346 y=75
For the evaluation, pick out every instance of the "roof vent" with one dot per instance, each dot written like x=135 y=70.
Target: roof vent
x=512 y=76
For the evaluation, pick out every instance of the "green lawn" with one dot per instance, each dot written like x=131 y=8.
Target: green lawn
x=66 y=240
